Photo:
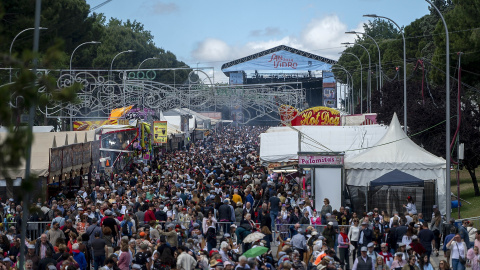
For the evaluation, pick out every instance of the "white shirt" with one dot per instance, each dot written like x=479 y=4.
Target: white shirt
x=353 y=233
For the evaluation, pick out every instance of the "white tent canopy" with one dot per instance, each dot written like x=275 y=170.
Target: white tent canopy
x=42 y=142
x=396 y=151
x=281 y=144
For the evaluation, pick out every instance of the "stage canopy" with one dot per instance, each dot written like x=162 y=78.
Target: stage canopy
x=397 y=178
x=283 y=58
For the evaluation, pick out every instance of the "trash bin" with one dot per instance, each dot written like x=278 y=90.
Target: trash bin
x=455 y=204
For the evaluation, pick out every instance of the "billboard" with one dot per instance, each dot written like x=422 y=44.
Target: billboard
x=280 y=60
x=160 y=131
x=236 y=78
x=329 y=90
x=316 y=116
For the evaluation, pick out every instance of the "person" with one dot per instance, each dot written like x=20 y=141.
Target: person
x=472 y=232
x=274 y=204
x=458 y=252
x=365 y=235
x=343 y=248
x=446 y=251
x=398 y=262
x=32 y=256
x=315 y=219
x=143 y=257
x=425 y=263
x=211 y=236
x=474 y=258
x=42 y=245
x=353 y=234
x=426 y=237
x=443 y=265
x=386 y=255
x=363 y=262
x=410 y=207
x=43 y=263
x=326 y=208
x=380 y=264
x=411 y=264
x=171 y=236
x=99 y=249
x=329 y=234
x=185 y=261
x=417 y=247
x=55 y=233
x=79 y=257
x=437 y=227
x=242 y=263
x=224 y=214
x=93 y=229
x=299 y=243
x=462 y=230
x=125 y=258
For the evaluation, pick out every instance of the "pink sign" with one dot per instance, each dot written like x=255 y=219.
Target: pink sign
x=320 y=160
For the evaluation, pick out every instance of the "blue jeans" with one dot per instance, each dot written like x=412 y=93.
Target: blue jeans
x=456 y=265
x=98 y=261
x=273 y=216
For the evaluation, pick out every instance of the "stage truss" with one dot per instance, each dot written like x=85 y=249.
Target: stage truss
x=105 y=90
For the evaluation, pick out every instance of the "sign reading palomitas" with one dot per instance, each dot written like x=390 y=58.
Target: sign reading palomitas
x=319 y=160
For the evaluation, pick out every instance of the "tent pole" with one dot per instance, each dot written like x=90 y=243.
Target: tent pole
x=366 y=198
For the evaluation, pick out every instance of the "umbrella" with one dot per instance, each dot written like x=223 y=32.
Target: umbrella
x=254 y=252
x=253 y=237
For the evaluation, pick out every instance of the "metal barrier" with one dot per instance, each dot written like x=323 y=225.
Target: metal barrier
x=36 y=229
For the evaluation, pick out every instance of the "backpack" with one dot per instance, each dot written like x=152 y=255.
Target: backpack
x=125 y=230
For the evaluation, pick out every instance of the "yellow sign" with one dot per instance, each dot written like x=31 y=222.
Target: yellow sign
x=160 y=131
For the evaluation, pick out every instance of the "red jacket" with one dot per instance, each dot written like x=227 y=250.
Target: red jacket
x=149 y=215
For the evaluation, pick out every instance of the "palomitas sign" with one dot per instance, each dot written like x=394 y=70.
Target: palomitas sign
x=320 y=160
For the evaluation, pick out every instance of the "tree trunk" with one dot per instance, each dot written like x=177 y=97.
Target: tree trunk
x=474 y=181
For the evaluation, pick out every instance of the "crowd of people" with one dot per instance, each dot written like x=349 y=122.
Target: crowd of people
x=200 y=208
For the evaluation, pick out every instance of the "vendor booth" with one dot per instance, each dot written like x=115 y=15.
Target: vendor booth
x=389 y=191
x=323 y=177
x=395 y=151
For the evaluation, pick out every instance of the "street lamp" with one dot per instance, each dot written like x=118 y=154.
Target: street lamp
x=111 y=64
x=88 y=42
x=379 y=55
x=361 y=84
x=369 y=82
x=447 y=111
x=11 y=44
x=404 y=69
x=145 y=61
x=349 y=85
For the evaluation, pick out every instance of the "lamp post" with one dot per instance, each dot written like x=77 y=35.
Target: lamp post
x=88 y=42
x=348 y=83
x=405 y=128
x=11 y=44
x=369 y=82
x=379 y=55
x=447 y=112
x=145 y=61
x=71 y=57
x=111 y=64
x=361 y=84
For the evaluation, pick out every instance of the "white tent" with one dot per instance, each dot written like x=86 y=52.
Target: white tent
x=42 y=142
x=396 y=151
x=281 y=144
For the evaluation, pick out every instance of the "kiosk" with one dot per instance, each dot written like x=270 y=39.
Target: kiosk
x=324 y=177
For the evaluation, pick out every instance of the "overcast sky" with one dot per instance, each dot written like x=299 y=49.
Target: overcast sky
x=210 y=33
